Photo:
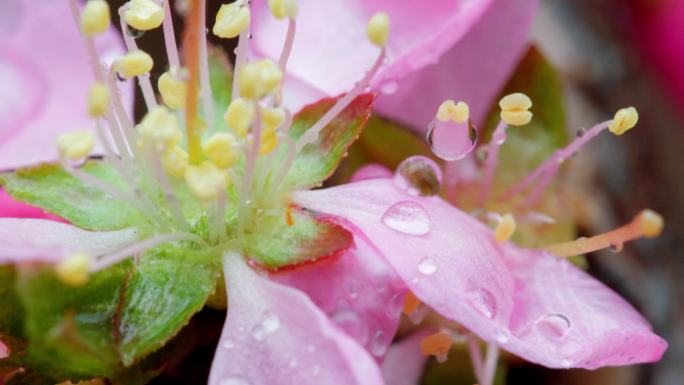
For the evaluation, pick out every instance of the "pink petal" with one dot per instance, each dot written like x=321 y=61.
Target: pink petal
x=275 y=335
x=405 y=363
x=4 y=351
x=371 y=171
x=39 y=240
x=474 y=69
x=11 y=208
x=357 y=290
x=446 y=258
x=334 y=32
x=519 y=299
x=45 y=78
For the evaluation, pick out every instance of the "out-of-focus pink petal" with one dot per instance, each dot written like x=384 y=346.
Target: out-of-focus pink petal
x=565 y=318
x=357 y=290
x=404 y=362
x=531 y=303
x=275 y=335
x=11 y=208
x=371 y=171
x=45 y=78
x=446 y=258
x=473 y=70
x=334 y=32
x=4 y=351
x=40 y=240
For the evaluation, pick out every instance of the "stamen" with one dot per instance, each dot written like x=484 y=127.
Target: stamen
x=98 y=100
x=125 y=125
x=175 y=161
x=74 y=270
x=206 y=181
x=192 y=57
x=288 y=216
x=76 y=145
x=647 y=224
x=231 y=20
x=144 y=15
x=139 y=247
x=437 y=344
x=87 y=39
x=240 y=55
x=624 y=120
x=170 y=38
x=222 y=149
x=378 y=29
x=250 y=164
x=411 y=303
x=489 y=370
x=475 y=357
x=281 y=9
x=287 y=46
x=287 y=164
x=505 y=228
x=160 y=128
x=173 y=90
x=95 y=18
x=153 y=158
x=143 y=76
x=515 y=109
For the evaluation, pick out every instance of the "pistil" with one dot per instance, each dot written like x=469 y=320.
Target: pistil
x=192 y=59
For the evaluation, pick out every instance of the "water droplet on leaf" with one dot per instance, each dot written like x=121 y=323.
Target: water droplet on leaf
x=452 y=141
x=419 y=175
x=407 y=217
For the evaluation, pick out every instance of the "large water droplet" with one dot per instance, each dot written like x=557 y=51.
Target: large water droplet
x=389 y=87
x=350 y=322
x=483 y=301
x=452 y=141
x=427 y=266
x=419 y=175
x=552 y=326
x=378 y=344
x=407 y=217
x=395 y=305
x=234 y=381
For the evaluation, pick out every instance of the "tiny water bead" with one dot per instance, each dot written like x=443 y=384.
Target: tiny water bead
x=483 y=301
x=228 y=344
x=419 y=175
x=427 y=266
x=268 y=324
x=552 y=326
x=502 y=337
x=352 y=324
x=379 y=344
x=234 y=381
x=389 y=87
x=407 y=217
x=395 y=305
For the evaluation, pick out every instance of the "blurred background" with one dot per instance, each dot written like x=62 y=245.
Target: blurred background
x=610 y=54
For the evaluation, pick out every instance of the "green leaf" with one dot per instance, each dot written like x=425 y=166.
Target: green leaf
x=49 y=187
x=11 y=311
x=166 y=287
x=278 y=244
x=317 y=161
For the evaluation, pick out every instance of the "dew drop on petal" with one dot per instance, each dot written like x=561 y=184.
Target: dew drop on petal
x=502 y=336
x=483 y=301
x=452 y=141
x=441 y=358
x=481 y=154
x=407 y=217
x=378 y=344
x=311 y=348
x=227 y=344
x=234 y=381
x=419 y=175
x=552 y=326
x=395 y=305
x=389 y=87
x=566 y=363
x=350 y=323
x=427 y=266
x=418 y=315
x=270 y=322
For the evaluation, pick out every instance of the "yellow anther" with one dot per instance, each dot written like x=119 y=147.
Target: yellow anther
x=378 y=29
x=624 y=119
x=231 y=20
x=175 y=161
x=160 y=127
x=259 y=78
x=282 y=9
x=134 y=63
x=411 y=303
x=95 y=18
x=448 y=110
x=222 y=149
x=76 y=145
x=239 y=116
x=172 y=90
x=272 y=117
x=206 y=181
x=74 y=270
x=436 y=344
x=651 y=223
x=515 y=109
x=144 y=15
x=98 y=100
x=269 y=141
x=505 y=228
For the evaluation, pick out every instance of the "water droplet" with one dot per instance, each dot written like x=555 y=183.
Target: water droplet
x=441 y=358
x=566 y=362
x=134 y=33
x=415 y=280
x=293 y=362
x=395 y=305
x=481 y=154
x=427 y=266
x=616 y=247
x=452 y=141
x=483 y=301
x=418 y=315
x=120 y=78
x=378 y=344
x=228 y=344
x=389 y=87
x=351 y=324
x=269 y=323
x=234 y=381
x=502 y=336
x=407 y=217
x=419 y=175
x=552 y=326
x=580 y=132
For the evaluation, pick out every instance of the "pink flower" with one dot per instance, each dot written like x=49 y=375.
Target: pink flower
x=439 y=49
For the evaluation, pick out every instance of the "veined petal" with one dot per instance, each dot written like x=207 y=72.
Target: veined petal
x=334 y=31
x=46 y=77
x=448 y=259
x=275 y=335
x=531 y=303
x=404 y=362
x=40 y=240
x=358 y=290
